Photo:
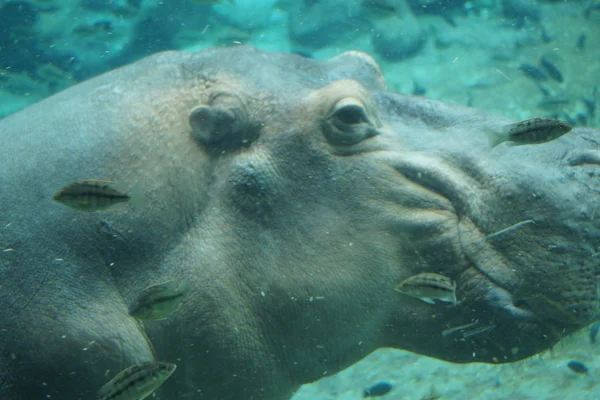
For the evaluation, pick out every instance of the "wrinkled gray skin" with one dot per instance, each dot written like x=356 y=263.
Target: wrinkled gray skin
x=294 y=195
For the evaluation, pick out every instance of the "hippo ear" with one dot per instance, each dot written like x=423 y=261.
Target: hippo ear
x=211 y=124
x=348 y=123
x=358 y=66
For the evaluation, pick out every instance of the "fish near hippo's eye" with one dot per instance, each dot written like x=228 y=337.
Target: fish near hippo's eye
x=348 y=123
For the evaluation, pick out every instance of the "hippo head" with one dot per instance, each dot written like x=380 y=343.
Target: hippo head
x=294 y=195
x=329 y=195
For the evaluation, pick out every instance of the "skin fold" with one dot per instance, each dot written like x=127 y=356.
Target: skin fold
x=294 y=195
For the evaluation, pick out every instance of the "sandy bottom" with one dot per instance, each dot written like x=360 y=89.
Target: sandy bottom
x=414 y=377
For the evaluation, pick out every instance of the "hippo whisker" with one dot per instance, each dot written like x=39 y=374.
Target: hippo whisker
x=479 y=331
x=510 y=228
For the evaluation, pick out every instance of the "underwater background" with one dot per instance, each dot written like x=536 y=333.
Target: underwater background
x=517 y=58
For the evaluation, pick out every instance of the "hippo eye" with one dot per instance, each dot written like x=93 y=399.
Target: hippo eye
x=348 y=123
x=351 y=114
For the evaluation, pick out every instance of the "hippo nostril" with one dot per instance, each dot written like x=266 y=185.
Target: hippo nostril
x=519 y=303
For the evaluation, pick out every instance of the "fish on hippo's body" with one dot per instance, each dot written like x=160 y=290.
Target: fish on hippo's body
x=96 y=195
x=531 y=131
x=137 y=381
x=429 y=287
x=159 y=301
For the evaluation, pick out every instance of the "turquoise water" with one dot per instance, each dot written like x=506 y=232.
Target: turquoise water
x=516 y=58
x=466 y=52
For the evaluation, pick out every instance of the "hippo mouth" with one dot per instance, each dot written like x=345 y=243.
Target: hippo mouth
x=483 y=275
x=487 y=275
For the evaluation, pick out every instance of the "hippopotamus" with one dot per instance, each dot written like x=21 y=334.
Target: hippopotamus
x=293 y=194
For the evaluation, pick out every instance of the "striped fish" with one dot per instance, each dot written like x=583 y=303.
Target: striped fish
x=531 y=131
x=159 y=301
x=137 y=381
x=95 y=195
x=429 y=287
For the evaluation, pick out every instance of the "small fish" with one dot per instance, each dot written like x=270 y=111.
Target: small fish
x=159 y=301
x=87 y=30
x=378 y=389
x=208 y=2
x=303 y=53
x=594 y=332
x=581 y=119
x=380 y=5
x=531 y=131
x=137 y=381
x=545 y=91
x=588 y=11
x=580 y=46
x=95 y=195
x=590 y=103
x=448 y=19
x=533 y=72
x=52 y=73
x=552 y=103
x=419 y=90
x=551 y=69
x=546 y=37
x=578 y=367
x=429 y=286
